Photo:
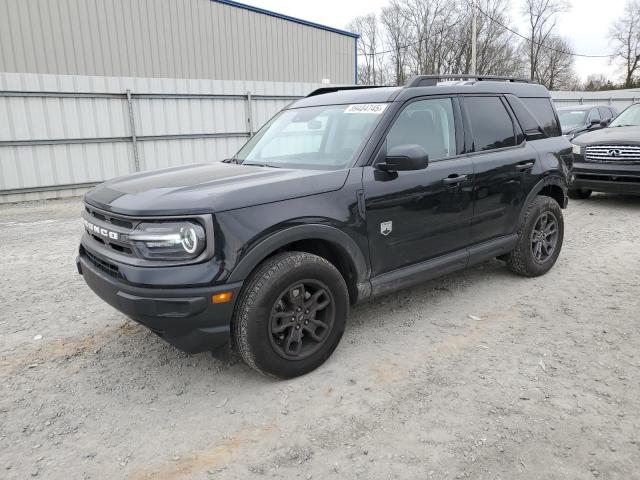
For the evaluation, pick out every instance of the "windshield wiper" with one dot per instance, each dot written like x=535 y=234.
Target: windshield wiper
x=270 y=165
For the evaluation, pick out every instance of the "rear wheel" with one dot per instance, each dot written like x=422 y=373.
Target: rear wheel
x=579 y=193
x=291 y=314
x=540 y=238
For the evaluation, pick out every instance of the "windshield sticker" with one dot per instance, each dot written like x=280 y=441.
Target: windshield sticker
x=375 y=108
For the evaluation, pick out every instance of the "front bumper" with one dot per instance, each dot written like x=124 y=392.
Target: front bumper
x=606 y=177
x=184 y=317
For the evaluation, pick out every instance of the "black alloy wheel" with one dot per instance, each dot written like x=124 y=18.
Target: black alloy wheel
x=301 y=319
x=544 y=237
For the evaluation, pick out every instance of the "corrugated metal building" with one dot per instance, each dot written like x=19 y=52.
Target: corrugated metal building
x=92 y=89
x=205 y=39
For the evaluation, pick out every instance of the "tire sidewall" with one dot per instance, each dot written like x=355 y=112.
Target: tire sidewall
x=258 y=333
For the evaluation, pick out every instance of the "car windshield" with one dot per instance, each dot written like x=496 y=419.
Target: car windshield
x=571 y=118
x=323 y=137
x=630 y=117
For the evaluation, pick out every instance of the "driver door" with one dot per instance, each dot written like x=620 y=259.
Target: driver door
x=414 y=216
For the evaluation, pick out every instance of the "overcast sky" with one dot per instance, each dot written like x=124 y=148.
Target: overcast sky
x=586 y=24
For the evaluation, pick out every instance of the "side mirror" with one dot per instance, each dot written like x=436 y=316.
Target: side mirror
x=405 y=158
x=606 y=122
x=593 y=123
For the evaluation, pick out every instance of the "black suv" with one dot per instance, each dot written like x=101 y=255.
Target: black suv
x=608 y=160
x=345 y=195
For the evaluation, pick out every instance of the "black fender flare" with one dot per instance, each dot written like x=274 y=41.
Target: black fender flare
x=302 y=232
x=537 y=188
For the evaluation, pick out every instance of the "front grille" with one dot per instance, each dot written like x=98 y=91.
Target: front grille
x=107 y=267
x=627 y=154
x=111 y=222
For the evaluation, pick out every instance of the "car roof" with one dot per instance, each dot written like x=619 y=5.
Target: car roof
x=355 y=94
x=359 y=95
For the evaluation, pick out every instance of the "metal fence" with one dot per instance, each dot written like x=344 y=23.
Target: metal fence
x=62 y=134
x=620 y=99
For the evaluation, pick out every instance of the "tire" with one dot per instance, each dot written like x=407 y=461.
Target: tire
x=279 y=332
x=579 y=193
x=527 y=258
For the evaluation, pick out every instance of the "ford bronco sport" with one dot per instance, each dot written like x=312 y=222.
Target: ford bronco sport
x=345 y=195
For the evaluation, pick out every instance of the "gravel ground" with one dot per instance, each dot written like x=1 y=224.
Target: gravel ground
x=480 y=374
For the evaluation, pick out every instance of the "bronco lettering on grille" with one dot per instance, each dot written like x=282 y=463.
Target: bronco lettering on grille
x=95 y=229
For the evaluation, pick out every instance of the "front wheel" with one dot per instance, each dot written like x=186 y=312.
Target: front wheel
x=291 y=314
x=539 y=238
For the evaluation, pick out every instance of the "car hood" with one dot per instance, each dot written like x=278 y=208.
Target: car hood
x=610 y=135
x=209 y=188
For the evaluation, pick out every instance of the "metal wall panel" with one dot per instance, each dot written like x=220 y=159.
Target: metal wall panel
x=58 y=131
x=619 y=99
x=168 y=39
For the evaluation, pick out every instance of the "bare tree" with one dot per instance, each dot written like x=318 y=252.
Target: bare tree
x=426 y=19
x=368 y=48
x=542 y=18
x=434 y=36
x=625 y=37
x=497 y=47
x=398 y=39
x=597 y=82
x=555 y=65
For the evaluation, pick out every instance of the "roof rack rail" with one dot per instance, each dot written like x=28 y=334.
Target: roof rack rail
x=431 y=80
x=323 y=90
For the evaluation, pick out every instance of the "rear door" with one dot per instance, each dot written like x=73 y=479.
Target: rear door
x=413 y=216
x=502 y=161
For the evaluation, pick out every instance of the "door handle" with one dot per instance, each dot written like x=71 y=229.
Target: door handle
x=521 y=167
x=454 y=179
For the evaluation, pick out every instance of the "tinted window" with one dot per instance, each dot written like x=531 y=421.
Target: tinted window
x=543 y=112
x=525 y=119
x=593 y=115
x=428 y=123
x=491 y=124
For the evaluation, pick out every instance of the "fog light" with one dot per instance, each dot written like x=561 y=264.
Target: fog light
x=223 y=297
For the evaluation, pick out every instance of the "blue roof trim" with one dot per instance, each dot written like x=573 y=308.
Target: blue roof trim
x=287 y=17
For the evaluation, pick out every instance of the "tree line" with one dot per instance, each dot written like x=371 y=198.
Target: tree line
x=413 y=37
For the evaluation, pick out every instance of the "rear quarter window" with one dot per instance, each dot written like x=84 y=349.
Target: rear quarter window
x=543 y=112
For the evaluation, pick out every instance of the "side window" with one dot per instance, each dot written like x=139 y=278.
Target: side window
x=593 y=115
x=605 y=113
x=543 y=112
x=491 y=125
x=428 y=123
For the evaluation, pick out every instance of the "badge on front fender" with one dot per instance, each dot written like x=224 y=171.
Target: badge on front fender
x=386 y=228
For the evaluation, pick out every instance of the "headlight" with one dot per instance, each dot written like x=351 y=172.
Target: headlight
x=576 y=149
x=169 y=240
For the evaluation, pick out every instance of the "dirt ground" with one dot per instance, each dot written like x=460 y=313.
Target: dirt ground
x=480 y=374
